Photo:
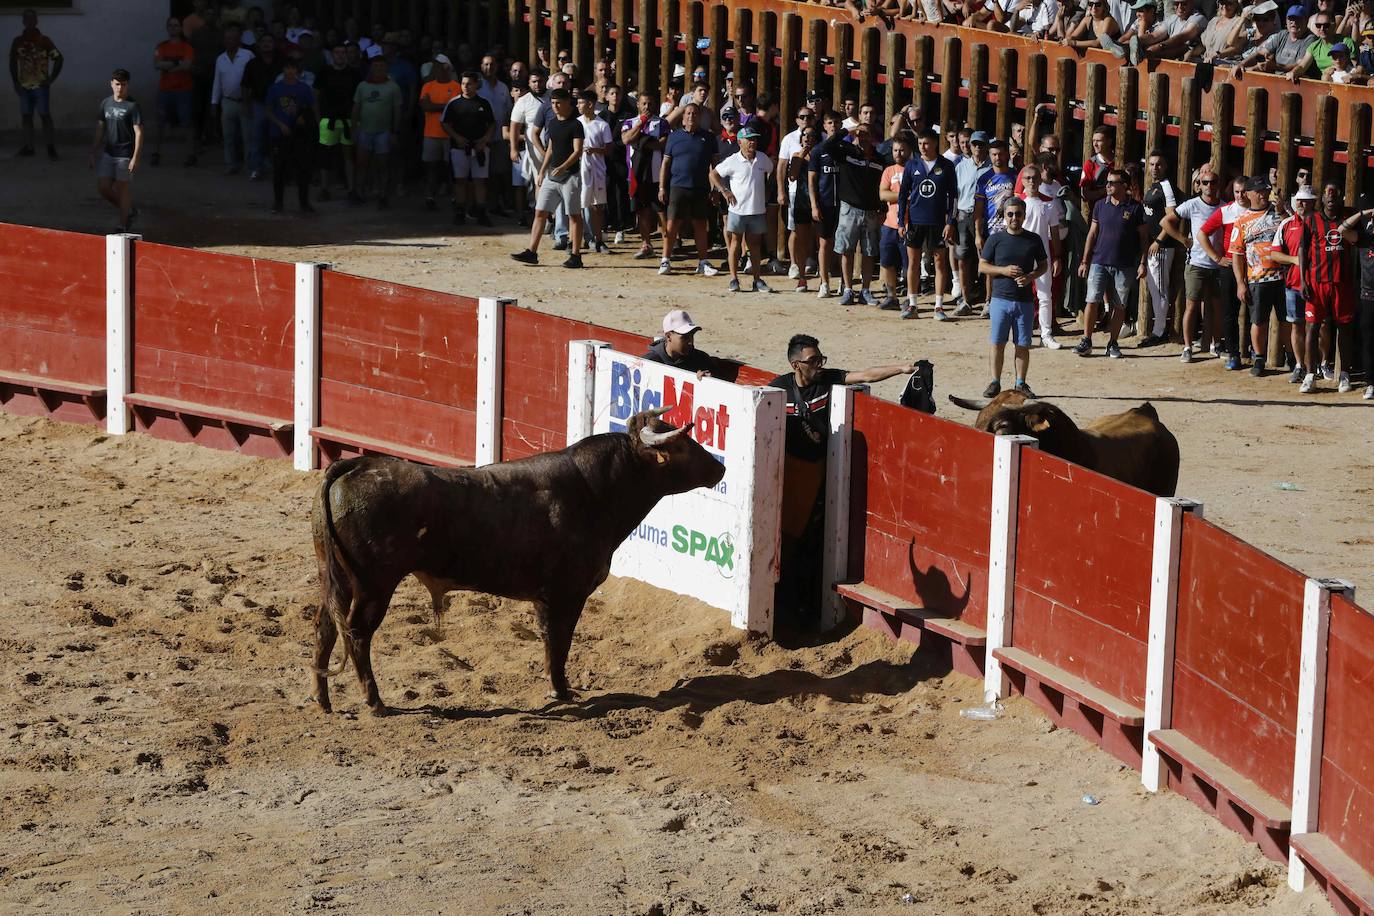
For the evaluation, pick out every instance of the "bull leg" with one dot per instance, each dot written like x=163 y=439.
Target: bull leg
x=559 y=620
x=362 y=623
x=325 y=635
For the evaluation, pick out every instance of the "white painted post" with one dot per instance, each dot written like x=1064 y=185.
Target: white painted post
x=582 y=387
x=307 y=382
x=835 y=551
x=1307 y=759
x=1159 y=655
x=491 y=321
x=1006 y=480
x=119 y=344
x=765 y=546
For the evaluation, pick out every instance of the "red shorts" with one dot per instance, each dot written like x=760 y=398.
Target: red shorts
x=1331 y=301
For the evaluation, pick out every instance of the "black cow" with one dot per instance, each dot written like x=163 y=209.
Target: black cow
x=541 y=529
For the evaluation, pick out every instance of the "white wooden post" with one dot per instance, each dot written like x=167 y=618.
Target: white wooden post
x=1006 y=480
x=1307 y=759
x=835 y=550
x=307 y=381
x=1159 y=655
x=119 y=344
x=763 y=552
x=491 y=321
x=582 y=387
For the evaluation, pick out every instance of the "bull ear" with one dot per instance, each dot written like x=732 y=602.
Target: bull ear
x=1039 y=421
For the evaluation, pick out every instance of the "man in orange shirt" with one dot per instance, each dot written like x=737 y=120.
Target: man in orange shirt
x=172 y=60
x=35 y=63
x=434 y=97
x=891 y=250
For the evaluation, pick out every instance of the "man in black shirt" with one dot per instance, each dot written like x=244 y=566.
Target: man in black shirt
x=470 y=124
x=118 y=144
x=259 y=76
x=1363 y=219
x=861 y=210
x=334 y=87
x=677 y=347
x=615 y=111
x=1159 y=202
x=559 y=182
x=1012 y=258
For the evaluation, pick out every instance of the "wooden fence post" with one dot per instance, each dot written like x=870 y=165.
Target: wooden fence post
x=1290 y=117
x=667 y=22
x=579 y=33
x=624 y=47
x=842 y=53
x=1324 y=143
x=536 y=25
x=950 y=80
x=517 y=36
x=1157 y=113
x=768 y=43
x=1036 y=73
x=648 y=60
x=1093 y=99
x=558 y=38
x=1356 y=150
x=1006 y=91
x=1223 y=113
x=1065 y=74
x=719 y=63
x=789 y=93
x=457 y=21
x=1128 y=103
x=739 y=38
x=1256 y=114
x=977 y=81
x=868 y=66
x=691 y=29
x=894 y=55
x=1187 y=135
x=496 y=24
x=815 y=51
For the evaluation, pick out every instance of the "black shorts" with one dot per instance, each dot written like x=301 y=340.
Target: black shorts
x=966 y=237
x=1267 y=297
x=689 y=204
x=830 y=220
x=646 y=196
x=925 y=238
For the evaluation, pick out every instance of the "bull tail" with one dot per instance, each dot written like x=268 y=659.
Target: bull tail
x=338 y=584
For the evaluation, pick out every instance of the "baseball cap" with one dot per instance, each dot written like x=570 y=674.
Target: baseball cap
x=1257 y=183
x=729 y=113
x=1367 y=33
x=1143 y=5
x=750 y=132
x=374 y=50
x=996 y=141
x=1297 y=12
x=679 y=72
x=443 y=59
x=814 y=96
x=730 y=74
x=1339 y=48
x=680 y=322
x=1263 y=9
x=979 y=136
x=1304 y=193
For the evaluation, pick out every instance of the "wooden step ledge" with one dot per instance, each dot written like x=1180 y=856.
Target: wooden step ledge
x=1321 y=854
x=47 y=383
x=951 y=628
x=223 y=414
x=1267 y=809
x=1071 y=685
x=371 y=446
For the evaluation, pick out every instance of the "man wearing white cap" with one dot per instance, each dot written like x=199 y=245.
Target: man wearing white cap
x=677 y=347
x=1288 y=243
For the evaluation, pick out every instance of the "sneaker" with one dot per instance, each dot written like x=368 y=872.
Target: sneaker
x=1257 y=367
x=1296 y=375
x=846 y=295
x=890 y=304
x=812 y=268
x=707 y=270
x=909 y=310
x=801 y=286
x=868 y=297
x=776 y=267
x=941 y=316
x=1084 y=347
x=1233 y=363
x=761 y=287
x=993 y=390
x=255 y=175
x=620 y=238
x=574 y=261
x=600 y=248
x=644 y=254
x=1128 y=330
x=52 y=152
x=1186 y=356
x=429 y=203
x=1308 y=382
x=963 y=310
x=1024 y=389
x=1327 y=372
x=526 y=257
x=823 y=292
x=1215 y=350
x=560 y=245
x=1108 y=44
x=734 y=286
x=1049 y=343
x=665 y=267
x=793 y=272
x=1369 y=393
x=1113 y=350
x=1149 y=340
x=1344 y=384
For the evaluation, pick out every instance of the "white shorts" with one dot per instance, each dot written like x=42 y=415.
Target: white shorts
x=593 y=191
x=465 y=164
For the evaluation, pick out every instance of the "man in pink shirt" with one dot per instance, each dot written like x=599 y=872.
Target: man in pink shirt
x=891 y=247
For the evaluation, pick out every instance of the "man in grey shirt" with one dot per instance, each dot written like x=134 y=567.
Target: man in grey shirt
x=1282 y=51
x=118 y=143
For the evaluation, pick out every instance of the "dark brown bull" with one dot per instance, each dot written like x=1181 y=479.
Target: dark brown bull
x=1134 y=447
x=541 y=529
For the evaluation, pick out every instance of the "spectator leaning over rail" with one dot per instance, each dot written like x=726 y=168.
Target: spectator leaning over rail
x=1116 y=243
x=678 y=347
x=1201 y=276
x=1282 y=51
x=1317 y=58
x=1013 y=259
x=743 y=181
x=926 y=215
x=35 y=64
x=118 y=144
x=1259 y=279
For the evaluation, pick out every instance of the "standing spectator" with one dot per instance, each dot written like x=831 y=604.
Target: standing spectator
x=968 y=171
x=1160 y=201
x=497 y=95
x=743 y=181
x=1092 y=184
x=523 y=114
x=402 y=161
x=643 y=136
x=1116 y=243
x=470 y=125
x=336 y=89
x=1259 y=279
x=596 y=144
x=1363 y=223
x=536 y=140
x=1012 y=259
x=173 y=60
x=207 y=40
x=559 y=182
x=799 y=211
x=258 y=77
x=1201 y=275
x=376 y=125
x=434 y=98
x=926 y=215
x=1041 y=219
x=995 y=186
x=1229 y=312
x=684 y=188
x=825 y=201
x=861 y=218
x=1288 y=241
x=118 y=143
x=35 y=64
x=292 y=129
x=228 y=103
x=891 y=250
x=615 y=110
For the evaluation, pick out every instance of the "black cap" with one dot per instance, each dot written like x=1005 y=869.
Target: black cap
x=1257 y=183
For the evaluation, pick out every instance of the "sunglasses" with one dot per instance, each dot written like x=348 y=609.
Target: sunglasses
x=1115 y=181
x=1207 y=181
x=804 y=116
x=1320 y=25
x=814 y=362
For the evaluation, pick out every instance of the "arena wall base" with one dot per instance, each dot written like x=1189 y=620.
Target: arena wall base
x=45 y=397
x=964 y=658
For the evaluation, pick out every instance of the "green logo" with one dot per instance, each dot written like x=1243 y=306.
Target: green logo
x=718 y=550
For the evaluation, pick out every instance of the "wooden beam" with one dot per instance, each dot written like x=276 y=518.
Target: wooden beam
x=648 y=58
x=869 y=56
x=1006 y=91
x=768 y=43
x=517 y=36
x=1187 y=134
x=1290 y=117
x=1324 y=143
x=789 y=85
x=496 y=24
x=599 y=28
x=1223 y=114
x=1065 y=75
x=922 y=69
x=691 y=29
x=1093 y=99
x=578 y=39
x=1355 y=168
x=844 y=50
x=894 y=55
x=1127 y=104
x=667 y=27
x=1157 y=113
x=720 y=65
x=536 y=30
x=1256 y=116
x=977 y=82
x=1036 y=82
x=739 y=39
x=950 y=80
x=815 y=50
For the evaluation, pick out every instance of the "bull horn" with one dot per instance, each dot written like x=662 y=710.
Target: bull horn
x=970 y=403
x=658 y=440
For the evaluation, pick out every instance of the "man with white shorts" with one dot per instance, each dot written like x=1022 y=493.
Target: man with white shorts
x=742 y=180
x=118 y=143
x=559 y=182
x=470 y=125
x=596 y=143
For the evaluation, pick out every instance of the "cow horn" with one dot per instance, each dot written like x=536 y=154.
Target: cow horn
x=658 y=440
x=970 y=403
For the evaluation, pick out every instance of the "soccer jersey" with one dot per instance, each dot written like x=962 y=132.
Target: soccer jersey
x=1253 y=236
x=1326 y=252
x=929 y=193
x=1288 y=240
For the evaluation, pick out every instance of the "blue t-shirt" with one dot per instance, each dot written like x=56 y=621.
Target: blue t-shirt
x=826 y=168
x=290 y=103
x=691 y=154
x=404 y=74
x=929 y=193
x=1118 y=236
x=990 y=192
x=1002 y=249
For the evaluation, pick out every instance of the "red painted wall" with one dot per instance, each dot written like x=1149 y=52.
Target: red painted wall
x=925 y=492
x=1236 y=654
x=398 y=364
x=214 y=329
x=1347 y=788
x=1083 y=554
x=52 y=304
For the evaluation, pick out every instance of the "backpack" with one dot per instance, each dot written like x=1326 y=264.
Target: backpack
x=919 y=393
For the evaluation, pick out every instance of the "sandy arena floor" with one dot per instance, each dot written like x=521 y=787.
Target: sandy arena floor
x=157 y=752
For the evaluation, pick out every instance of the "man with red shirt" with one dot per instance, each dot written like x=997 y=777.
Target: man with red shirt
x=172 y=59
x=1287 y=242
x=1225 y=219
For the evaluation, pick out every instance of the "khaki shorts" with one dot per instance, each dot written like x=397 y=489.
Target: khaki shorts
x=1201 y=283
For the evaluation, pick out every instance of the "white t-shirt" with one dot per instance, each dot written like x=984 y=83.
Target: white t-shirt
x=1196 y=211
x=498 y=97
x=1042 y=218
x=1174 y=25
x=1038 y=19
x=789 y=145
x=525 y=112
x=596 y=134
x=747 y=180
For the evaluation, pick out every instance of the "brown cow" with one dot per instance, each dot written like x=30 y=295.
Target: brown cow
x=1134 y=447
x=541 y=529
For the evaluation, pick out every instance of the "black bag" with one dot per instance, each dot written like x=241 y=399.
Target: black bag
x=919 y=393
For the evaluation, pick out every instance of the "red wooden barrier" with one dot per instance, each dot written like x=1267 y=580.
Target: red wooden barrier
x=398 y=371
x=52 y=323
x=213 y=345
x=1236 y=682
x=1082 y=596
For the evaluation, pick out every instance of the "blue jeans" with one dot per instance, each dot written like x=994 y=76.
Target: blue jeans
x=1119 y=278
x=560 y=223
x=1008 y=315
x=257 y=139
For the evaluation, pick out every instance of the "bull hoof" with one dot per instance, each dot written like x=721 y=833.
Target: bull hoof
x=563 y=696
x=380 y=710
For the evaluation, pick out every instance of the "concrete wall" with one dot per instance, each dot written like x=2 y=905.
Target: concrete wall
x=96 y=37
